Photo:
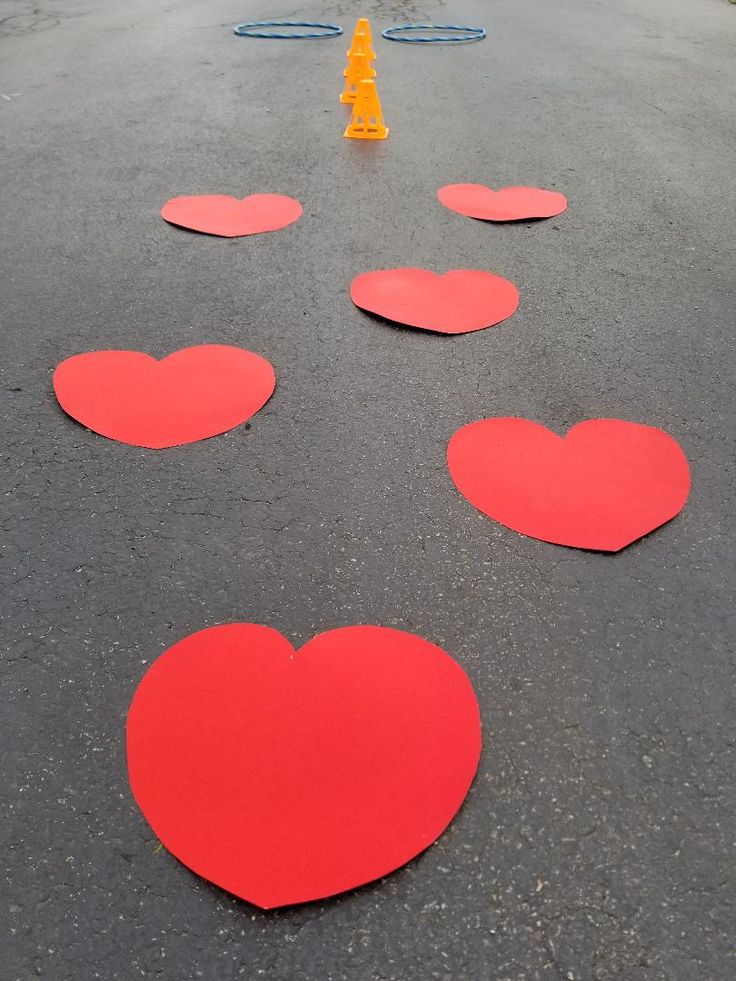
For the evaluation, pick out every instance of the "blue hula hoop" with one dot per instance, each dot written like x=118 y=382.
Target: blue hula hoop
x=470 y=34
x=253 y=30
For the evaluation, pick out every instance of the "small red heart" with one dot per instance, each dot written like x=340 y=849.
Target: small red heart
x=601 y=487
x=285 y=776
x=189 y=395
x=221 y=214
x=508 y=204
x=456 y=302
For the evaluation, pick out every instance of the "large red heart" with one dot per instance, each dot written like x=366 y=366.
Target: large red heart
x=221 y=214
x=508 y=204
x=285 y=776
x=457 y=302
x=601 y=487
x=191 y=394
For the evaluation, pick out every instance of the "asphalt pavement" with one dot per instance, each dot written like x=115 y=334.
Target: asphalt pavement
x=597 y=841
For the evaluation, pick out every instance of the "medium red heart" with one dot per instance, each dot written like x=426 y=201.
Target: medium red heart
x=601 y=487
x=456 y=302
x=285 y=776
x=221 y=214
x=508 y=204
x=191 y=394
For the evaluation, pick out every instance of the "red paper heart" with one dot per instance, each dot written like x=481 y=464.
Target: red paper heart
x=508 y=204
x=221 y=214
x=457 y=302
x=285 y=776
x=191 y=394
x=601 y=487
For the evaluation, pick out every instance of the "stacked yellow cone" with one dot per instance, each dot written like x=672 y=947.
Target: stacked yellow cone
x=360 y=89
x=367 y=119
x=362 y=39
x=359 y=68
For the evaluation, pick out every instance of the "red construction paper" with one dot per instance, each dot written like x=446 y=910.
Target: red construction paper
x=191 y=394
x=221 y=214
x=285 y=776
x=601 y=487
x=456 y=302
x=508 y=204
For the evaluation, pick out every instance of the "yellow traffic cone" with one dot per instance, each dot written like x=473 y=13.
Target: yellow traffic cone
x=362 y=39
x=360 y=46
x=367 y=119
x=358 y=69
